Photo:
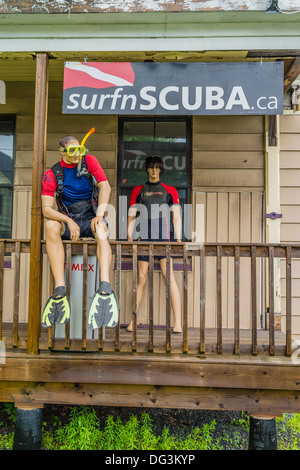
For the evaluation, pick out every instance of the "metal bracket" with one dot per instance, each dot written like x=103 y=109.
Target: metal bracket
x=273 y=215
x=273 y=8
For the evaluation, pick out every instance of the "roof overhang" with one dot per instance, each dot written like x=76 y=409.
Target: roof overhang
x=158 y=36
x=155 y=31
x=130 y=6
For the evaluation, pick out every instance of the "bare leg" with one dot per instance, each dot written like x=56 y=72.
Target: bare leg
x=55 y=250
x=103 y=251
x=142 y=278
x=175 y=294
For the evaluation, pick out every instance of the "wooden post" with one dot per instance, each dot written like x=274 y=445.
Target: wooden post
x=28 y=429
x=272 y=191
x=262 y=434
x=38 y=168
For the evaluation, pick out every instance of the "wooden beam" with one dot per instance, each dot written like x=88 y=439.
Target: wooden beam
x=291 y=74
x=177 y=371
x=262 y=402
x=38 y=168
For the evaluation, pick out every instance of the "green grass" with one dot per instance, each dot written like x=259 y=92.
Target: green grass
x=83 y=431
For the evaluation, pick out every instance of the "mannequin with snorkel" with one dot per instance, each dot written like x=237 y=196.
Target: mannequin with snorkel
x=80 y=188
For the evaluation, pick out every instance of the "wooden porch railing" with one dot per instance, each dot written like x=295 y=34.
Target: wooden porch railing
x=183 y=251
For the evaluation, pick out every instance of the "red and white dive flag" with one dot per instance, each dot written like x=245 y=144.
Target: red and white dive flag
x=98 y=74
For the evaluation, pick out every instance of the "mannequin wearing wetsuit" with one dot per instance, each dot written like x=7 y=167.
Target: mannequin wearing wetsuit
x=61 y=225
x=153 y=200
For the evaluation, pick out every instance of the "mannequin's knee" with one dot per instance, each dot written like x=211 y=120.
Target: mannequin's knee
x=53 y=228
x=101 y=233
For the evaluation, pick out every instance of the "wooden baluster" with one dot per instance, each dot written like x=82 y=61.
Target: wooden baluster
x=271 y=302
x=51 y=330
x=202 y=300
x=168 y=300
x=185 y=300
x=151 y=275
x=84 y=294
x=236 y=300
x=288 y=301
x=68 y=289
x=2 y=252
x=16 y=295
x=118 y=292
x=100 y=339
x=100 y=343
x=219 y=299
x=134 y=299
x=253 y=299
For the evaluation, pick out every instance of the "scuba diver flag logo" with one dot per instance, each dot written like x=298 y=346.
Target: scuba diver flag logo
x=98 y=74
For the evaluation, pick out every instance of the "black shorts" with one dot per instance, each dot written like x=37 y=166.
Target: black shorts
x=146 y=257
x=84 y=224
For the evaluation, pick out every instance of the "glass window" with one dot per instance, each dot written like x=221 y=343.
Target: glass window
x=167 y=138
x=7 y=139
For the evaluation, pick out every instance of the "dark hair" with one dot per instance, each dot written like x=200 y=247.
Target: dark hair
x=64 y=141
x=154 y=160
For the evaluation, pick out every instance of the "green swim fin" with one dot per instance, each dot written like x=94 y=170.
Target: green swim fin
x=49 y=312
x=57 y=309
x=104 y=309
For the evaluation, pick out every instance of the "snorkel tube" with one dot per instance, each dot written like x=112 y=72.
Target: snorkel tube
x=91 y=131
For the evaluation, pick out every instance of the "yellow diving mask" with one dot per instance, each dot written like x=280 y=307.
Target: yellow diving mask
x=73 y=150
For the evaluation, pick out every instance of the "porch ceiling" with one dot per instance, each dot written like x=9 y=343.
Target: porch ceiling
x=22 y=66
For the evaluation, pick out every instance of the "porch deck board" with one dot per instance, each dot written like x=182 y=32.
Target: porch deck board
x=159 y=341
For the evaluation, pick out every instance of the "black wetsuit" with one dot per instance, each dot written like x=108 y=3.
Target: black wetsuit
x=153 y=201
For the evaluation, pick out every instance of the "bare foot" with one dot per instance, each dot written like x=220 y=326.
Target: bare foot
x=177 y=329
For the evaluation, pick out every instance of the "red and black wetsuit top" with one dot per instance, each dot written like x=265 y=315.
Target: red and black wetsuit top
x=153 y=201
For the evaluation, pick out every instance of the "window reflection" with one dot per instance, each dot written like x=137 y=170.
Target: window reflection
x=166 y=139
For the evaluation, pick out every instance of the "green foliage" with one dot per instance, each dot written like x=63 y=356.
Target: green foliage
x=198 y=439
x=11 y=411
x=83 y=432
x=288 y=432
x=6 y=441
x=243 y=422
